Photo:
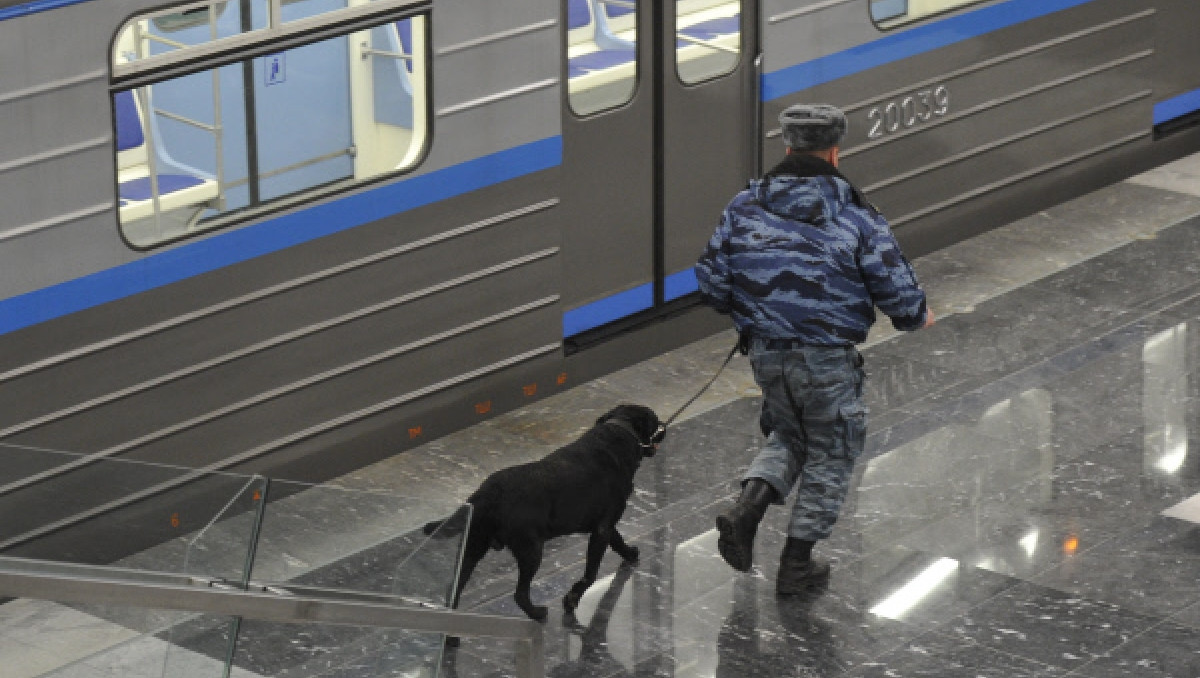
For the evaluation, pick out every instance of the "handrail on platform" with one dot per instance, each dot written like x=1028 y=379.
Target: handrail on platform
x=109 y=586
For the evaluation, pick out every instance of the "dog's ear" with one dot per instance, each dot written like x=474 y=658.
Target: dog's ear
x=603 y=418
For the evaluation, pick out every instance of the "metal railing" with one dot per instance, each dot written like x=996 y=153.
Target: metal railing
x=179 y=563
x=98 y=585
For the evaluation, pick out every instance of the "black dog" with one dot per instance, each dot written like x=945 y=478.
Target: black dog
x=579 y=488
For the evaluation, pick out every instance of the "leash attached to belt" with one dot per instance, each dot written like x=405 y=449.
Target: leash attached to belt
x=740 y=346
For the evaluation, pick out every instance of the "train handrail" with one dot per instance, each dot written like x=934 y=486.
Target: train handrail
x=99 y=585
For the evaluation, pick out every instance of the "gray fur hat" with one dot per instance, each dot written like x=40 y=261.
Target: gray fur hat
x=812 y=127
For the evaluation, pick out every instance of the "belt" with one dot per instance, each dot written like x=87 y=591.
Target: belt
x=791 y=344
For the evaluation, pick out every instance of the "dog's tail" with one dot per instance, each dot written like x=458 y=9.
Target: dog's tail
x=446 y=528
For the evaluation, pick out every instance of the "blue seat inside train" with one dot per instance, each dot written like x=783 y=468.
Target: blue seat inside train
x=713 y=28
x=584 y=19
x=176 y=187
x=131 y=136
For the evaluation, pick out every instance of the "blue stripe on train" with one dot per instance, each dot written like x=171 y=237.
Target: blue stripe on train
x=622 y=304
x=907 y=43
x=608 y=309
x=239 y=245
x=680 y=284
x=1177 y=107
x=34 y=7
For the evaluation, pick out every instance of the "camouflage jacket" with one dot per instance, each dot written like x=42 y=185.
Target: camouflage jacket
x=800 y=254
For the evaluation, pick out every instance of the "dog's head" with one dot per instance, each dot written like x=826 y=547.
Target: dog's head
x=644 y=422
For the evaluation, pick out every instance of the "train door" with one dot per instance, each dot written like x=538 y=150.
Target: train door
x=659 y=132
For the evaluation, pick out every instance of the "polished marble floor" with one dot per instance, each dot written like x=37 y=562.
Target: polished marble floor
x=1028 y=503
x=1026 y=506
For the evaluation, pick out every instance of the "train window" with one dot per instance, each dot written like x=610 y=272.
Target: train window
x=892 y=13
x=251 y=133
x=601 y=54
x=167 y=31
x=708 y=36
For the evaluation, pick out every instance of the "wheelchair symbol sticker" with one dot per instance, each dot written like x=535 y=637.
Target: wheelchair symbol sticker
x=276 y=69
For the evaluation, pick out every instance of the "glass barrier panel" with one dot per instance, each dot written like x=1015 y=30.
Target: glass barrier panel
x=66 y=640
x=74 y=508
x=215 y=552
x=708 y=38
x=326 y=541
x=602 y=63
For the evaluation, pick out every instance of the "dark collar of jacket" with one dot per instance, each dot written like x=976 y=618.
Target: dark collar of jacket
x=805 y=165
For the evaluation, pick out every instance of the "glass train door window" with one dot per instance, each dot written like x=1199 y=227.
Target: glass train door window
x=202 y=150
x=708 y=38
x=180 y=28
x=601 y=54
x=892 y=13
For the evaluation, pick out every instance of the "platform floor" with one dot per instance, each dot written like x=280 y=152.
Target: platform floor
x=1028 y=504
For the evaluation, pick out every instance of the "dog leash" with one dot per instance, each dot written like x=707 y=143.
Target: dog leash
x=732 y=352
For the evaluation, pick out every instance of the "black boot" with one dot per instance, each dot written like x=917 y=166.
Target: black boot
x=798 y=570
x=738 y=525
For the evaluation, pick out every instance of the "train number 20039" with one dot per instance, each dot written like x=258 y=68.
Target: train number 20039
x=908 y=112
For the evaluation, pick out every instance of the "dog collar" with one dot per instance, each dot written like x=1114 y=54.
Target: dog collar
x=628 y=428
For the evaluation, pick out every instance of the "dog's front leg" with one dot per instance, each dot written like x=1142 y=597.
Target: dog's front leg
x=529 y=558
x=597 y=544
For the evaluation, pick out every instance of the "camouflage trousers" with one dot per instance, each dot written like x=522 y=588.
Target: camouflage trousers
x=813 y=409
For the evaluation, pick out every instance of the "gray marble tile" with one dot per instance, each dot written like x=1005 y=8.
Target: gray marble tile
x=562 y=418
x=920 y=588
x=706 y=452
x=1000 y=538
x=1159 y=265
x=1189 y=616
x=1150 y=569
x=1111 y=215
x=949 y=468
x=937 y=656
x=824 y=632
x=1004 y=334
x=1181 y=176
x=1049 y=626
x=1186 y=309
x=621 y=621
x=666 y=382
x=1120 y=484
x=1164 y=651
x=895 y=381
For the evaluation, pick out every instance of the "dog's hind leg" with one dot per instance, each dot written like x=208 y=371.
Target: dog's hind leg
x=628 y=553
x=528 y=551
x=597 y=545
x=476 y=548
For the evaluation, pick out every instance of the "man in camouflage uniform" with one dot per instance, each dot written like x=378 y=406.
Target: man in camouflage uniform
x=800 y=260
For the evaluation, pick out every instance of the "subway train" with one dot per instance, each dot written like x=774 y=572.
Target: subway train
x=297 y=236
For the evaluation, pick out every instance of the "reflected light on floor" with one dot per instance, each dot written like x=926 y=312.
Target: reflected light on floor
x=1071 y=545
x=903 y=600
x=1173 y=460
x=1029 y=542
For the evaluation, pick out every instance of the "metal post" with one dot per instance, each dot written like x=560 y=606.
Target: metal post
x=143 y=95
x=531 y=657
x=218 y=125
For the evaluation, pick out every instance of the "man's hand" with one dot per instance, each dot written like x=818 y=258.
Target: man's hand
x=929 y=319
